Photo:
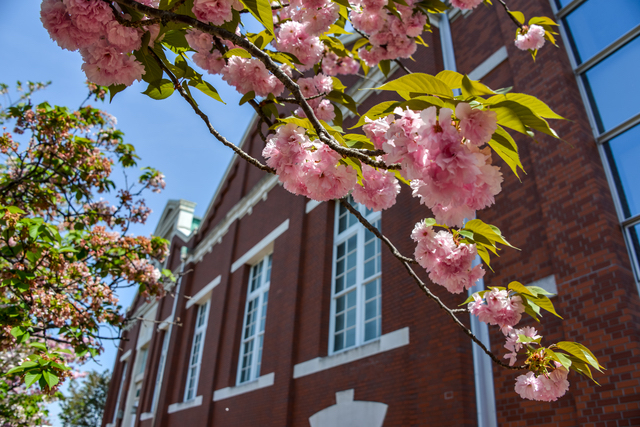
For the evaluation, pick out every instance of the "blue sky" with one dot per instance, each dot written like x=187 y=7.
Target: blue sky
x=166 y=134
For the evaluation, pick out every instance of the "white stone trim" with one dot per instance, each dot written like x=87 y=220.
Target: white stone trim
x=489 y=64
x=227 y=392
x=244 y=206
x=311 y=205
x=261 y=248
x=125 y=356
x=180 y=406
x=204 y=294
x=164 y=325
x=110 y=425
x=146 y=416
x=386 y=342
x=139 y=377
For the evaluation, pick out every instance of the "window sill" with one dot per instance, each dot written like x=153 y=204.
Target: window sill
x=146 y=416
x=180 y=406
x=386 y=342
x=261 y=382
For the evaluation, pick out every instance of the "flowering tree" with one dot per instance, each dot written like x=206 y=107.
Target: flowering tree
x=63 y=251
x=437 y=138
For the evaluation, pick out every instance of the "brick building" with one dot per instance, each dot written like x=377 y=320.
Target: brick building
x=348 y=339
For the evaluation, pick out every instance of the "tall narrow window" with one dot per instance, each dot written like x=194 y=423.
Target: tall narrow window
x=196 y=352
x=356 y=293
x=122 y=379
x=254 y=321
x=159 y=374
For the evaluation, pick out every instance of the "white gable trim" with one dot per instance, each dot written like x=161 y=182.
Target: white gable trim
x=311 y=205
x=125 y=356
x=204 y=294
x=262 y=248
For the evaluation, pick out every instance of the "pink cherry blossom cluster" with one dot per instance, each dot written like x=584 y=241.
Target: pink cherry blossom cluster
x=390 y=36
x=498 y=308
x=332 y=64
x=378 y=190
x=450 y=174
x=514 y=346
x=216 y=12
x=466 y=4
x=105 y=45
x=531 y=38
x=308 y=168
x=301 y=24
x=316 y=85
x=245 y=74
x=449 y=264
x=547 y=387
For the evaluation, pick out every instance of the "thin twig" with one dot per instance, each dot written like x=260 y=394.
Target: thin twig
x=506 y=8
x=404 y=68
x=205 y=119
x=406 y=261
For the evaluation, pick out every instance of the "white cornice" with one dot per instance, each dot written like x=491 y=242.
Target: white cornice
x=243 y=207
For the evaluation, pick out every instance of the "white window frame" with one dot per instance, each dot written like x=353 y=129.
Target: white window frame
x=199 y=334
x=358 y=230
x=626 y=223
x=120 y=387
x=159 y=373
x=261 y=295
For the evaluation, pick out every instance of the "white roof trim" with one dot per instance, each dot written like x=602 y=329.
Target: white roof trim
x=243 y=207
x=180 y=406
x=164 y=325
x=125 y=356
x=261 y=248
x=489 y=64
x=204 y=294
x=227 y=392
x=386 y=342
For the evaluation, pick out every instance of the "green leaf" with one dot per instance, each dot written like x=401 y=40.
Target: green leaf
x=237 y=52
x=531 y=309
x=419 y=84
x=176 y=41
x=382 y=109
x=385 y=67
x=504 y=145
x=31 y=378
x=471 y=88
x=543 y=302
x=581 y=352
x=247 y=97
x=519 y=16
x=531 y=102
x=487 y=231
x=539 y=291
x=18 y=331
x=15 y=210
x=520 y=288
x=334 y=29
x=561 y=358
x=50 y=378
x=153 y=72
x=304 y=123
x=261 y=10
x=354 y=140
x=524 y=117
x=113 y=89
x=359 y=43
x=580 y=367
x=38 y=345
x=206 y=88
x=161 y=90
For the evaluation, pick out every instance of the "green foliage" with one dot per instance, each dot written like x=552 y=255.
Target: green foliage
x=84 y=405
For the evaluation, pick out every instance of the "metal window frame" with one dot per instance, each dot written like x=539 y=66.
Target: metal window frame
x=257 y=294
x=338 y=238
x=202 y=329
x=579 y=71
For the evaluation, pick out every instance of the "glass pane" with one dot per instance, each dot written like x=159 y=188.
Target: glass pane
x=259 y=361
x=341 y=248
x=339 y=284
x=595 y=24
x=342 y=223
x=613 y=86
x=371 y=290
x=371 y=309
x=351 y=259
x=340 y=267
x=369 y=268
x=352 y=243
x=369 y=250
x=623 y=153
x=340 y=304
x=268 y=273
x=351 y=338
x=339 y=322
x=371 y=330
x=351 y=278
x=351 y=300
x=338 y=342
x=351 y=317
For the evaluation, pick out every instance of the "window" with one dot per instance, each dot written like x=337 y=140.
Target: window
x=159 y=374
x=254 y=321
x=196 y=352
x=122 y=379
x=605 y=46
x=144 y=352
x=356 y=294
